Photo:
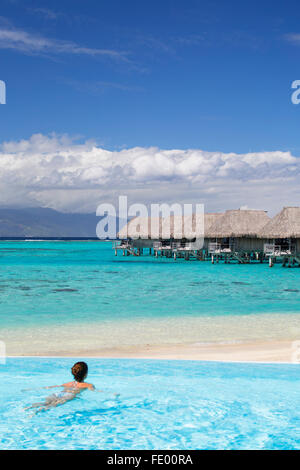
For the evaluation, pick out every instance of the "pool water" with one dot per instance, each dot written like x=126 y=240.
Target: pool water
x=162 y=405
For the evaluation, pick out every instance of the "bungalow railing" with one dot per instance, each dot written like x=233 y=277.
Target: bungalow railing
x=270 y=248
x=174 y=246
x=181 y=246
x=218 y=248
x=278 y=250
x=120 y=244
x=214 y=248
x=157 y=245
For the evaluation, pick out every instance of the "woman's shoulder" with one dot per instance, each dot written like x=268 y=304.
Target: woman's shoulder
x=86 y=385
x=79 y=385
x=68 y=384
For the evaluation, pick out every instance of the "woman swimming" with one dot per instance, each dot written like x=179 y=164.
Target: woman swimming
x=71 y=389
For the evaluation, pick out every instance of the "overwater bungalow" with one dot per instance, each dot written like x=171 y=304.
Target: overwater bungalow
x=236 y=235
x=184 y=235
x=209 y=220
x=242 y=235
x=168 y=236
x=281 y=237
x=139 y=233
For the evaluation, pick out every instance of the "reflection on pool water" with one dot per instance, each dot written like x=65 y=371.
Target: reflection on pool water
x=162 y=405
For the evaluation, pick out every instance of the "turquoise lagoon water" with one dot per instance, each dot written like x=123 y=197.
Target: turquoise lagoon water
x=162 y=405
x=51 y=286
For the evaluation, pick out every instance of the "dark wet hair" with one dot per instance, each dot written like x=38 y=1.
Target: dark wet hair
x=79 y=370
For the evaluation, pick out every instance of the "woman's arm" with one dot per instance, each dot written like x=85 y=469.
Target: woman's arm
x=39 y=388
x=53 y=386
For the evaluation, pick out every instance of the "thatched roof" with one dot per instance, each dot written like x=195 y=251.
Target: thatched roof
x=141 y=227
x=198 y=224
x=151 y=227
x=174 y=226
x=178 y=226
x=209 y=219
x=238 y=223
x=286 y=224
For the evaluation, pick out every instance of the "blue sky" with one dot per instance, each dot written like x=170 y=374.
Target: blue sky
x=177 y=74
x=213 y=76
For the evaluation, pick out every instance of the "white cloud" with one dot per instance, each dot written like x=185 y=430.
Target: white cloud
x=293 y=38
x=46 y=13
x=16 y=39
x=55 y=171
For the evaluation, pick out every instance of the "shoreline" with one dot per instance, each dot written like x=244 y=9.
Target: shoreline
x=277 y=351
x=252 y=338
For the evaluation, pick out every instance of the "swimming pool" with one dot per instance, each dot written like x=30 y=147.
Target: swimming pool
x=162 y=405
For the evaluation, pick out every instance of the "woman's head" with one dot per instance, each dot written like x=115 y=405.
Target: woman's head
x=80 y=371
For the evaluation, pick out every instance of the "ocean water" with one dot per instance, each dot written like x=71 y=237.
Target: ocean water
x=162 y=405
x=54 y=295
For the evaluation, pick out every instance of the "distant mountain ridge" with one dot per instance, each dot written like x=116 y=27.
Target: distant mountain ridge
x=40 y=222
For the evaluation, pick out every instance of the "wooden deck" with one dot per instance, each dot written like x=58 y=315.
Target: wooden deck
x=215 y=253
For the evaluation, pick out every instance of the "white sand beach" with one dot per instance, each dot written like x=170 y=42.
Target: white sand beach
x=262 y=338
x=271 y=351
